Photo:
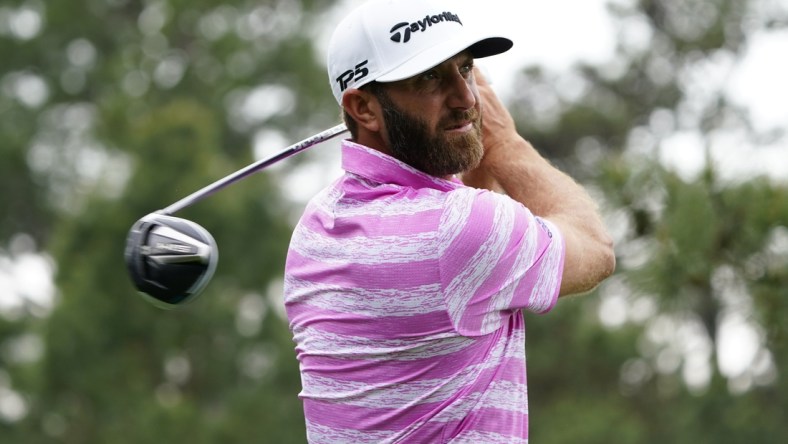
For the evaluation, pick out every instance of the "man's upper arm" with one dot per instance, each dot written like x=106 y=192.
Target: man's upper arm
x=496 y=257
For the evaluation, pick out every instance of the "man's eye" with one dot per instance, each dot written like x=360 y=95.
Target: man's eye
x=429 y=75
x=467 y=68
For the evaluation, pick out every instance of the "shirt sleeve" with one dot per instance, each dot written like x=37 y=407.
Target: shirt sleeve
x=496 y=257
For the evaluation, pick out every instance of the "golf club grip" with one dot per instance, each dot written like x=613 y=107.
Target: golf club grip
x=253 y=168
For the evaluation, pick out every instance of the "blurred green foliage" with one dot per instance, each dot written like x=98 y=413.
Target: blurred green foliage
x=114 y=108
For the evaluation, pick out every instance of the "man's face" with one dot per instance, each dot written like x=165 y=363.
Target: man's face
x=436 y=127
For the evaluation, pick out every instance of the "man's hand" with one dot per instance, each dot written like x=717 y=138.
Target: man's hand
x=498 y=127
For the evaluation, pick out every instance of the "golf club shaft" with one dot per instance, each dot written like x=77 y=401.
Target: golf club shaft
x=253 y=168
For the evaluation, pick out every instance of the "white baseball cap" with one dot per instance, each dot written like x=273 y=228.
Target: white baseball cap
x=390 y=40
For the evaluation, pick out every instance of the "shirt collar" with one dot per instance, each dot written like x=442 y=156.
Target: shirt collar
x=382 y=168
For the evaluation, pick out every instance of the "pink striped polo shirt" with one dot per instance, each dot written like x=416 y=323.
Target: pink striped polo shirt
x=405 y=295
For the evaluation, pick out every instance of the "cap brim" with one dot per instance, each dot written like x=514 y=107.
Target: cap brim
x=479 y=48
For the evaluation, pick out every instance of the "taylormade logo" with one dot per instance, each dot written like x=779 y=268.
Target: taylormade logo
x=401 y=32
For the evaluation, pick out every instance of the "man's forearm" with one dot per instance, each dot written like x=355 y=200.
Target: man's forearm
x=522 y=173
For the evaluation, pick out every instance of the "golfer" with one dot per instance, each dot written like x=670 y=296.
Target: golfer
x=407 y=278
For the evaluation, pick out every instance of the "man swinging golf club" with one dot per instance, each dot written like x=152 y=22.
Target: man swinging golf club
x=405 y=286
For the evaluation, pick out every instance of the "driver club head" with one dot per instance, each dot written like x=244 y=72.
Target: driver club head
x=169 y=259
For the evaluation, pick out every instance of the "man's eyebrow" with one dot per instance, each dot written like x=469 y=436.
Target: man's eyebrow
x=465 y=57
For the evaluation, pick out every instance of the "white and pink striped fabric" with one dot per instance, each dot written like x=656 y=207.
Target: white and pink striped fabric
x=404 y=294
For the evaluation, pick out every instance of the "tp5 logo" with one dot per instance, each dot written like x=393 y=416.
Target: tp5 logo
x=356 y=74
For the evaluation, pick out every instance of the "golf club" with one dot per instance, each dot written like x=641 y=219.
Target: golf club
x=170 y=260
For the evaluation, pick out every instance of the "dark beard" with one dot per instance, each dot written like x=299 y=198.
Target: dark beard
x=410 y=141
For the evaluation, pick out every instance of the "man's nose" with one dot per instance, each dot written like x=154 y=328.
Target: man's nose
x=461 y=92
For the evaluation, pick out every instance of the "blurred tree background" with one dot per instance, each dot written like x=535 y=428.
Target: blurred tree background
x=114 y=108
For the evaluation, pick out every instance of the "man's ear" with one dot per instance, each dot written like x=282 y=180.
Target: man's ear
x=364 y=108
